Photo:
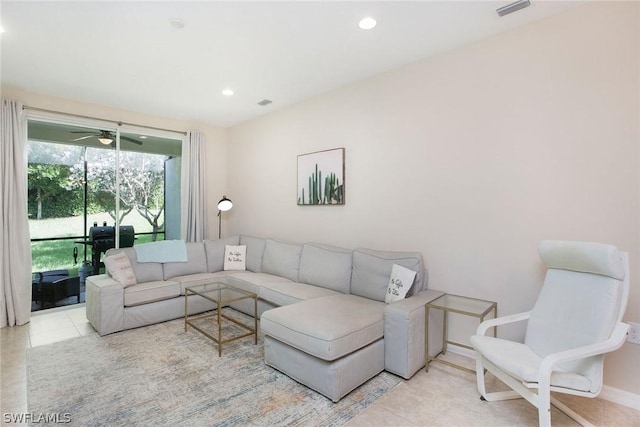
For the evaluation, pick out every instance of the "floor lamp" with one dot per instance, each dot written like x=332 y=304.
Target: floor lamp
x=223 y=205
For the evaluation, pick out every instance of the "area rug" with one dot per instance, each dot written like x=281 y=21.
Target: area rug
x=159 y=375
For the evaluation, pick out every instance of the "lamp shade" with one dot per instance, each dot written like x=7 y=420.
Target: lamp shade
x=105 y=141
x=225 y=204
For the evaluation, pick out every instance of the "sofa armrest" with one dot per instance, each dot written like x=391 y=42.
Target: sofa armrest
x=404 y=333
x=105 y=304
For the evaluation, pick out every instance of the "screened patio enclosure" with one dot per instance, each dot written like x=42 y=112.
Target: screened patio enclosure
x=87 y=181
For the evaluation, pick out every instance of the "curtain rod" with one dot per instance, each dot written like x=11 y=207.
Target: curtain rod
x=25 y=107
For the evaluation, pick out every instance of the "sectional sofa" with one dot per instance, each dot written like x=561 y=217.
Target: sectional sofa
x=321 y=307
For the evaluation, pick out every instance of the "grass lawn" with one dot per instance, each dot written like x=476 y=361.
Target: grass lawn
x=58 y=254
x=72 y=226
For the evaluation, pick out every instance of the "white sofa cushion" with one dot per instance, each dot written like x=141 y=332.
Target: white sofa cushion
x=255 y=250
x=144 y=271
x=326 y=266
x=196 y=262
x=214 y=250
x=251 y=282
x=328 y=327
x=281 y=259
x=143 y=293
x=372 y=269
x=199 y=279
x=288 y=292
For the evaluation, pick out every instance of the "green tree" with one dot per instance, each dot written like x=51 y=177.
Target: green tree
x=49 y=178
x=56 y=176
x=141 y=184
x=46 y=181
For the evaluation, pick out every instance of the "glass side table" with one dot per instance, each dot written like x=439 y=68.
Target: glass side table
x=461 y=305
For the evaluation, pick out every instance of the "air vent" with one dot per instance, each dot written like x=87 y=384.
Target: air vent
x=265 y=102
x=510 y=8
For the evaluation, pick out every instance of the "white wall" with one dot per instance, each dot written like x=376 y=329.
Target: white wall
x=216 y=137
x=472 y=158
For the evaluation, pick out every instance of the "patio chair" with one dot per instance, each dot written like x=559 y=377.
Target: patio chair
x=44 y=278
x=65 y=288
x=49 y=287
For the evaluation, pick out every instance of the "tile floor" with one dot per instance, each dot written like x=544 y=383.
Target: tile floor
x=442 y=397
x=45 y=327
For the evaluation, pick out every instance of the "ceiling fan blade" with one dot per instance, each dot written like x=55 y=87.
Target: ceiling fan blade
x=84 y=131
x=84 y=137
x=133 y=141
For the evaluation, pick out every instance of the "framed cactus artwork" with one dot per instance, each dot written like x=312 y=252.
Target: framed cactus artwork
x=321 y=178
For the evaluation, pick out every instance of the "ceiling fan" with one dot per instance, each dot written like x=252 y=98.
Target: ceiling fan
x=105 y=137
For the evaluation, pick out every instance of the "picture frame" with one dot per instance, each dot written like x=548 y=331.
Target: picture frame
x=321 y=178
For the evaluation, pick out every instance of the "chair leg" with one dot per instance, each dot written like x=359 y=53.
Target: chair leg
x=541 y=400
x=543 y=403
x=481 y=365
x=480 y=377
x=544 y=415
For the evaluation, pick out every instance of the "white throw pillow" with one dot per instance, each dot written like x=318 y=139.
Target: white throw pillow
x=235 y=257
x=400 y=282
x=120 y=269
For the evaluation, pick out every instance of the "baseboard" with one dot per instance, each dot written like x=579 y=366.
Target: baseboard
x=620 y=397
x=609 y=393
x=461 y=351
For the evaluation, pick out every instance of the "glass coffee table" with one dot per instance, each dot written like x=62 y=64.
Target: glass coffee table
x=222 y=295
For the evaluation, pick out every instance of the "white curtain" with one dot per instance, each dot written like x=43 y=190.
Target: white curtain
x=194 y=203
x=15 y=256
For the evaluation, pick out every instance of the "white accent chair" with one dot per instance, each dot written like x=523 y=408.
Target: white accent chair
x=575 y=321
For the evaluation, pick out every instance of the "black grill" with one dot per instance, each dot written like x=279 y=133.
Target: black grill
x=127 y=236
x=104 y=238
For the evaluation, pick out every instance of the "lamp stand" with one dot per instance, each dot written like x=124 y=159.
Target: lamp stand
x=223 y=205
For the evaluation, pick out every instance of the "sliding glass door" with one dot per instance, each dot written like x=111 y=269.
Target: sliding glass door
x=87 y=184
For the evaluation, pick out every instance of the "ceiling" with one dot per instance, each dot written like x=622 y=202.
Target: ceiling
x=128 y=55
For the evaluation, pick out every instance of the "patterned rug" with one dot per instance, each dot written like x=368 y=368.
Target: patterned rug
x=159 y=375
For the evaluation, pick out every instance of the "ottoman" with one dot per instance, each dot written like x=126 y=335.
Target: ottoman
x=331 y=344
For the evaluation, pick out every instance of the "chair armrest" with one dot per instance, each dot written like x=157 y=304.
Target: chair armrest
x=490 y=323
x=614 y=342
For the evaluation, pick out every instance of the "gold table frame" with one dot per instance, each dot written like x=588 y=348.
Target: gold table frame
x=466 y=306
x=222 y=295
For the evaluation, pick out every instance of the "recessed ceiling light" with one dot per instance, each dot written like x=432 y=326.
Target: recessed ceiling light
x=227 y=92
x=176 y=23
x=367 y=23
